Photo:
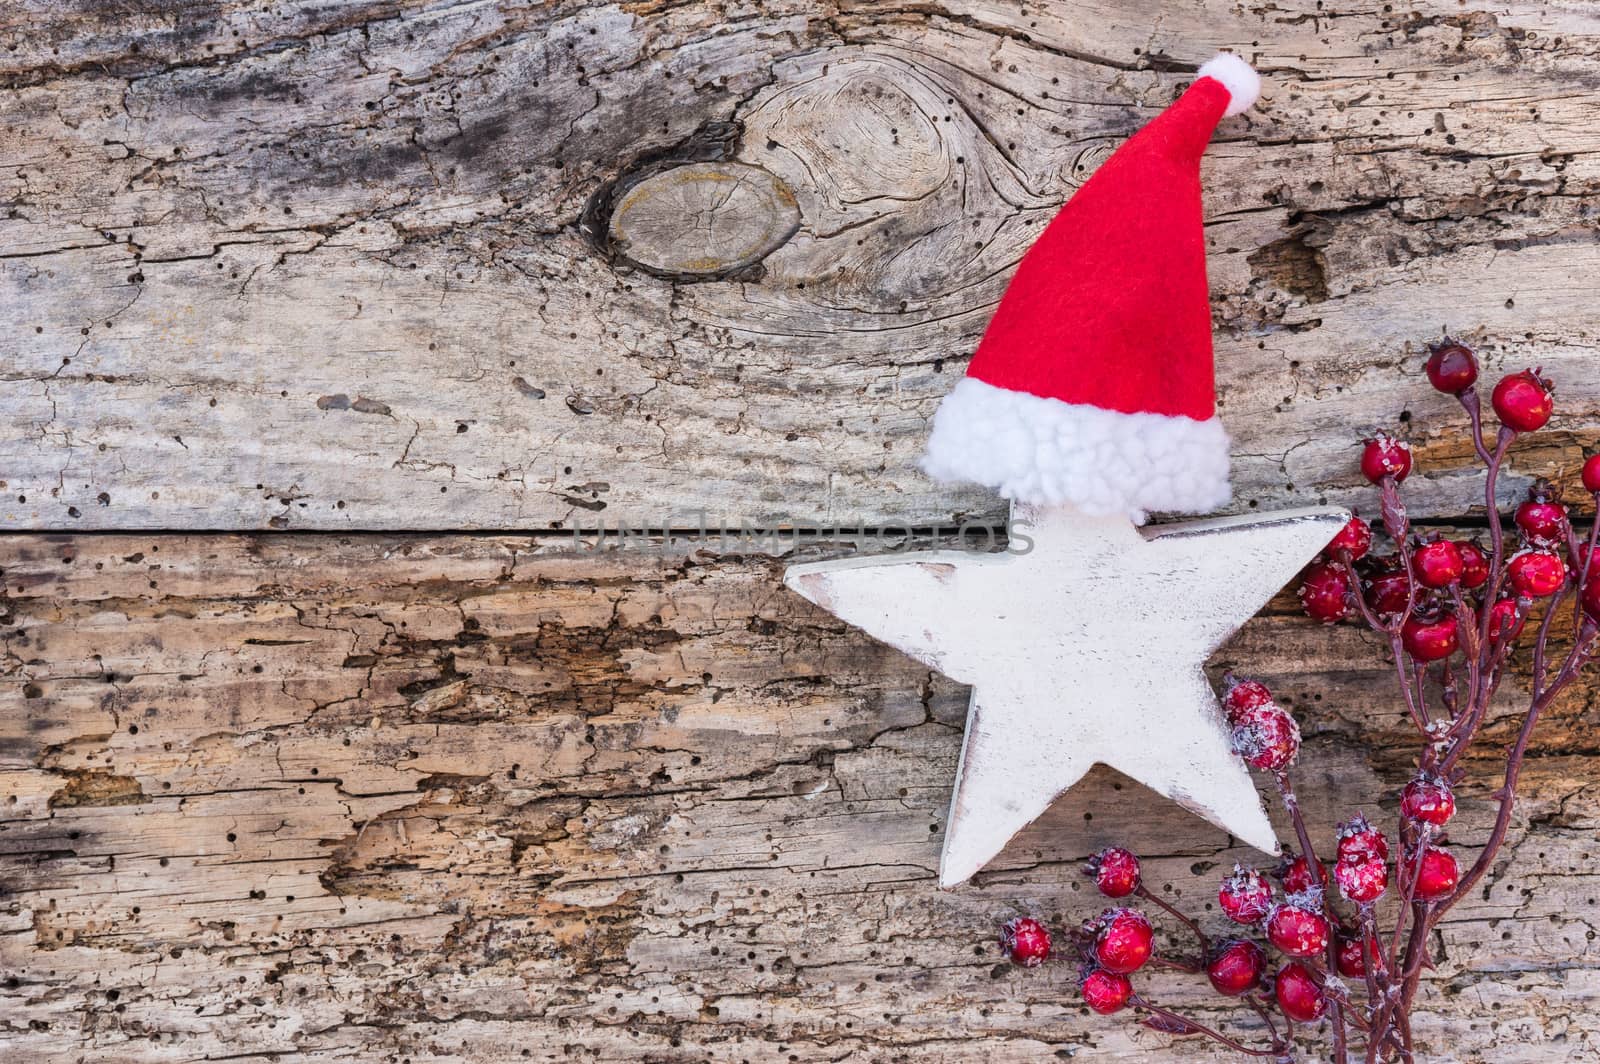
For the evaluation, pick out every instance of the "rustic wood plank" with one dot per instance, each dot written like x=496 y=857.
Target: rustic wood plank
x=318 y=798
x=488 y=798
x=341 y=266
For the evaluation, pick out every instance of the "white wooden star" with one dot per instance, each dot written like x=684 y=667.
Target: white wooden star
x=1088 y=648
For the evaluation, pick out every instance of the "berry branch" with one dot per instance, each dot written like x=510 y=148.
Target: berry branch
x=1450 y=613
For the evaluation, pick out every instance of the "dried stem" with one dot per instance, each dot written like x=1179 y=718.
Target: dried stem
x=1497 y=534
x=1319 y=877
x=1194 y=1027
x=1582 y=649
x=1200 y=936
x=1177 y=964
x=1469 y=401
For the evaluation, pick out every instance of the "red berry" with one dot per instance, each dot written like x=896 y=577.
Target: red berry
x=1106 y=992
x=1325 y=593
x=1505 y=619
x=1236 y=967
x=1297 y=875
x=1428 y=798
x=1242 y=695
x=1591 y=597
x=1244 y=895
x=1355 y=537
x=1360 y=842
x=1363 y=881
x=1437 y=875
x=1537 y=573
x=1474 y=565
x=1430 y=640
x=1438 y=564
x=1387 y=590
x=1348 y=957
x=1351 y=961
x=1523 y=401
x=1115 y=871
x=1591 y=473
x=1298 y=994
x=1124 y=940
x=1452 y=368
x=1385 y=456
x=1297 y=930
x=1026 y=941
x=1543 y=521
x=1267 y=737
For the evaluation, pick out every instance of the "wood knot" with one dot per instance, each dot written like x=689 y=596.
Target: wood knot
x=703 y=220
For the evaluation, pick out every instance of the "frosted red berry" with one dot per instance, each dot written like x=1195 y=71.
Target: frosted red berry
x=1325 y=592
x=1523 y=401
x=1591 y=473
x=1124 y=940
x=1236 y=967
x=1241 y=695
x=1297 y=930
x=1355 y=537
x=1298 y=994
x=1474 y=565
x=1384 y=456
x=1297 y=875
x=1428 y=799
x=1452 y=368
x=1387 y=590
x=1537 y=573
x=1361 y=881
x=1591 y=597
x=1437 y=874
x=1026 y=941
x=1505 y=619
x=1245 y=896
x=1350 y=959
x=1437 y=564
x=1106 y=992
x=1115 y=871
x=1267 y=737
x=1430 y=640
x=1360 y=841
x=1542 y=519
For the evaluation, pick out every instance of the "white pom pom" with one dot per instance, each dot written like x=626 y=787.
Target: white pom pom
x=1237 y=76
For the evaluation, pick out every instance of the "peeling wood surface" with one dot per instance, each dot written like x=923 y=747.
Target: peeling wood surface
x=483 y=798
x=298 y=798
x=339 y=266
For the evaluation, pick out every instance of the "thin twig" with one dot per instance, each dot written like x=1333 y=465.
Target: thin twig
x=1200 y=1028
x=1205 y=943
x=1319 y=877
x=1177 y=964
x=1581 y=649
x=1469 y=401
x=1497 y=533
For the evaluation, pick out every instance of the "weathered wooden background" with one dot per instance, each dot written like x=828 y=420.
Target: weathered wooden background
x=323 y=321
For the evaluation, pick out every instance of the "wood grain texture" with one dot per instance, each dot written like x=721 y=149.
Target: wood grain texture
x=345 y=266
x=293 y=798
x=484 y=798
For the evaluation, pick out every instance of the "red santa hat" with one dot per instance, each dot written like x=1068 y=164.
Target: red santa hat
x=1092 y=386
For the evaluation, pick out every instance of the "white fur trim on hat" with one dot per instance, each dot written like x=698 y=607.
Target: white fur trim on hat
x=1047 y=452
x=1242 y=82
